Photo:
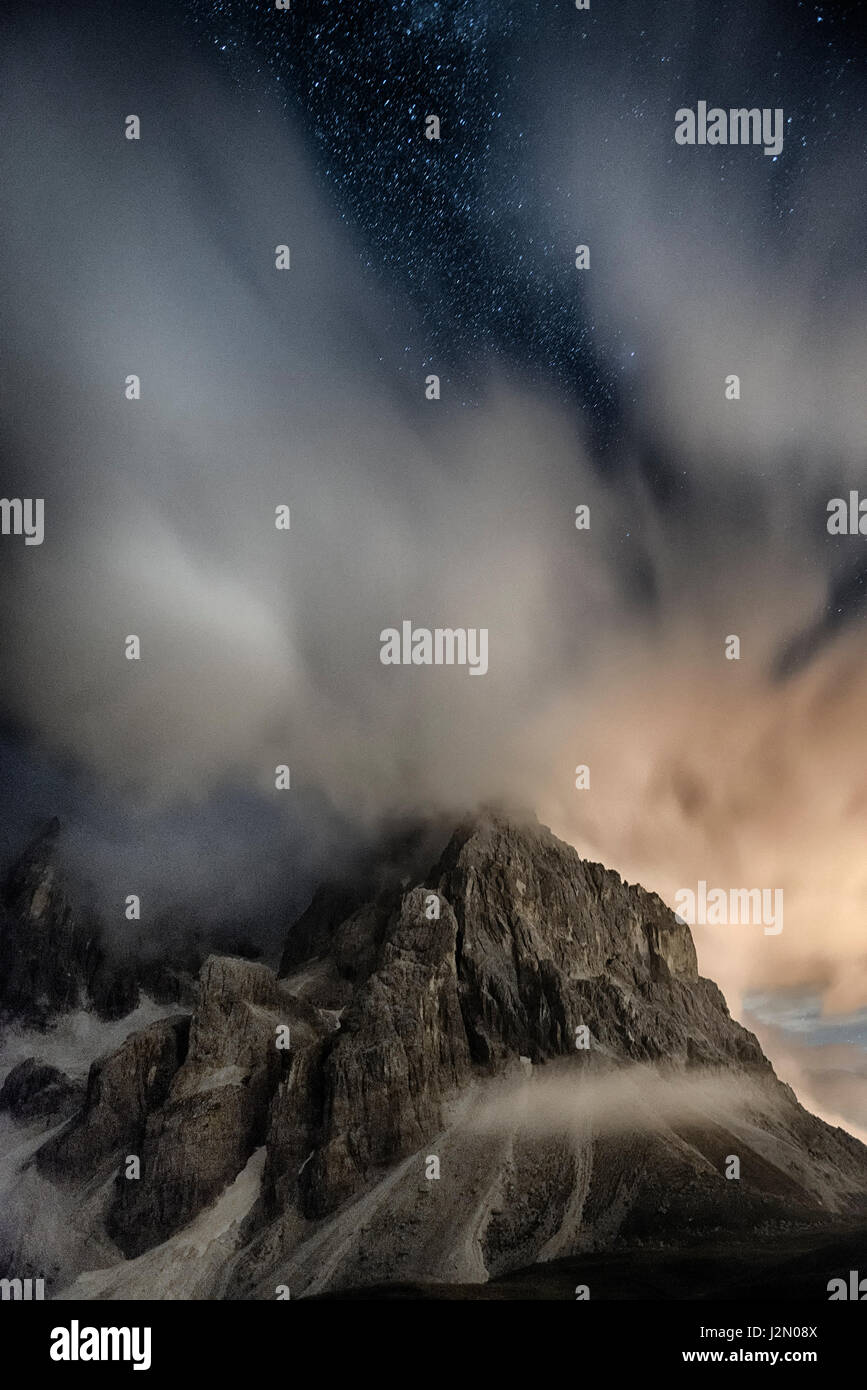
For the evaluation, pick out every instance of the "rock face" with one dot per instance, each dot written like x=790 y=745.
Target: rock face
x=122 y=1090
x=547 y=942
x=213 y=1111
x=312 y=933
x=401 y=1050
x=51 y=957
x=432 y=1118
x=34 y=1090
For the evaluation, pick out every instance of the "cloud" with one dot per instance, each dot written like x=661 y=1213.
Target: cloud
x=625 y=1101
x=258 y=646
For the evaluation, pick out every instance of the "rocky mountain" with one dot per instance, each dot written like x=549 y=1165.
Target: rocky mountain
x=57 y=956
x=51 y=955
x=510 y=1061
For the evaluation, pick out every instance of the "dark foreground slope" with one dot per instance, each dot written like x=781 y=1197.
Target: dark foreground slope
x=432 y=1119
x=763 y=1267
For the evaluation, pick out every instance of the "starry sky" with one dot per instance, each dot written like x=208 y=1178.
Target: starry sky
x=559 y=387
x=471 y=227
x=477 y=230
x=442 y=221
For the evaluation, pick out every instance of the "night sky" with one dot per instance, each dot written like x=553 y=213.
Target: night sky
x=471 y=227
